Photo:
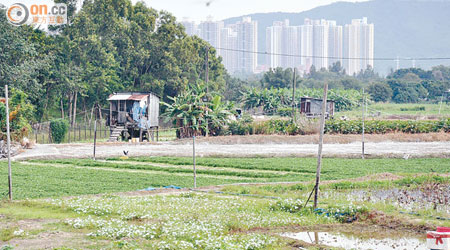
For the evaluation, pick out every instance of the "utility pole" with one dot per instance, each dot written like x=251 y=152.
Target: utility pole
x=8 y=136
x=193 y=159
x=363 y=121
x=207 y=70
x=207 y=85
x=95 y=135
x=319 y=156
x=293 y=96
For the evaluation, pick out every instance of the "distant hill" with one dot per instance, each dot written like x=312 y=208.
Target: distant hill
x=405 y=28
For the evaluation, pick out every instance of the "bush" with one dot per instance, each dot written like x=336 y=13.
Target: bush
x=386 y=126
x=333 y=126
x=59 y=130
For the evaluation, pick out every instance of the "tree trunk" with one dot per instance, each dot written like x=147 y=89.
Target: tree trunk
x=85 y=111
x=74 y=118
x=70 y=107
x=92 y=113
x=99 y=111
x=62 y=108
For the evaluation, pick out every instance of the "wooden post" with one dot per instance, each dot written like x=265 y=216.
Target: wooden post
x=363 y=123
x=110 y=113
x=50 y=134
x=8 y=136
x=157 y=134
x=207 y=87
x=293 y=97
x=319 y=156
x=85 y=132
x=79 y=132
x=70 y=128
x=193 y=159
x=95 y=135
x=140 y=134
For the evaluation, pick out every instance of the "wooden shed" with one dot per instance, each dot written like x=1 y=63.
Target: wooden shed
x=133 y=114
x=312 y=107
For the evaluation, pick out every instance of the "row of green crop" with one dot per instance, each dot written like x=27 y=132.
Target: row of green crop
x=386 y=126
x=334 y=126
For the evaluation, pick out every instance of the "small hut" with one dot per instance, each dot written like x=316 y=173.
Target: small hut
x=312 y=107
x=133 y=115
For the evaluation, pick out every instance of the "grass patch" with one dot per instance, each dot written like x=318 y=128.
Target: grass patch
x=31 y=181
x=333 y=168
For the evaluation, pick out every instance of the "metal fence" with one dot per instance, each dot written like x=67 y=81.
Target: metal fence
x=80 y=132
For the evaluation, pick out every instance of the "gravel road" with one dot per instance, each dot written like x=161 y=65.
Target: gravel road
x=372 y=149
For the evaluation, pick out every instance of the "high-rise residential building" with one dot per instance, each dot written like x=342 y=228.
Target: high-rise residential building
x=228 y=40
x=190 y=27
x=335 y=43
x=306 y=43
x=283 y=45
x=247 y=37
x=367 y=44
x=210 y=32
x=358 y=46
x=320 y=43
x=274 y=44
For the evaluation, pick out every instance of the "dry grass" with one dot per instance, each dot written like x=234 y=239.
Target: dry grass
x=328 y=139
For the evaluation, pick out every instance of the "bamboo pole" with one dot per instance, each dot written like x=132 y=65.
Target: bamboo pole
x=319 y=155
x=8 y=136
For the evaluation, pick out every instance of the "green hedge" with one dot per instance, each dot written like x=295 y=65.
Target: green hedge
x=333 y=126
x=59 y=129
x=386 y=126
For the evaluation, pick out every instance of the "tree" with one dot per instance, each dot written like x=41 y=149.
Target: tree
x=380 y=92
x=278 y=78
x=407 y=92
x=193 y=112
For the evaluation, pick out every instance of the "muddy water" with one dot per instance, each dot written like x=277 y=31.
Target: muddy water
x=427 y=196
x=351 y=242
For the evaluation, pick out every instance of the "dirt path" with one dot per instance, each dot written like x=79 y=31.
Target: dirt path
x=381 y=149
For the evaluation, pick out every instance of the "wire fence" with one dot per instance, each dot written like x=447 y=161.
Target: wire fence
x=79 y=132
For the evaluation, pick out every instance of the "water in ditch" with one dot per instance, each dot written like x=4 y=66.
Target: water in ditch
x=345 y=241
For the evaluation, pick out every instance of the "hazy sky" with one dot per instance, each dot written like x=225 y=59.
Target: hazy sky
x=196 y=10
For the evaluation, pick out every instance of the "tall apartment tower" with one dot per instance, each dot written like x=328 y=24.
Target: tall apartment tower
x=367 y=44
x=210 y=32
x=320 y=41
x=358 y=46
x=228 y=40
x=283 y=40
x=190 y=27
x=306 y=43
x=274 y=44
x=247 y=37
x=335 y=43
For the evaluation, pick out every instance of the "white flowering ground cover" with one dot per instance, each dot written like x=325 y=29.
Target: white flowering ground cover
x=187 y=221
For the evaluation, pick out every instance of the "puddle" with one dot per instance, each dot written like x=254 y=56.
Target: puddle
x=350 y=242
x=428 y=196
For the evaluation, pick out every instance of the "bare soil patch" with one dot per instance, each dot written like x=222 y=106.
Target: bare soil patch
x=314 y=139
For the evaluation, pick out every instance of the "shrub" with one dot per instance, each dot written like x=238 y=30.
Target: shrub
x=333 y=126
x=58 y=129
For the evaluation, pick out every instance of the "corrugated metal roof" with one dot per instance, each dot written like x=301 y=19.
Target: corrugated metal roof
x=122 y=97
x=137 y=97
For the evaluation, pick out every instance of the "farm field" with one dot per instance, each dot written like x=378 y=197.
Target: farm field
x=55 y=178
x=81 y=203
x=391 y=110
